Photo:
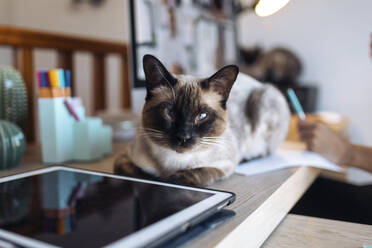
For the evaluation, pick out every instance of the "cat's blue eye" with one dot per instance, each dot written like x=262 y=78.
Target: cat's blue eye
x=201 y=116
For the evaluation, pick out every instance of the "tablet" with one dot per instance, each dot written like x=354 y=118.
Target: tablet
x=65 y=207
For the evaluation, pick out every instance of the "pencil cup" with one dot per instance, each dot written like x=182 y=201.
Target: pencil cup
x=55 y=130
x=92 y=139
x=64 y=139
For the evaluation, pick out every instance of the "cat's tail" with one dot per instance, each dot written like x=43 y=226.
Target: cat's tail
x=269 y=115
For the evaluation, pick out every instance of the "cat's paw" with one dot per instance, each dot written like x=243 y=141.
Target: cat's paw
x=185 y=177
x=124 y=166
x=202 y=176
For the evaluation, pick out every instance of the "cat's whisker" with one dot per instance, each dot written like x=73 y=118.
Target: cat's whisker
x=219 y=145
x=150 y=130
x=146 y=132
x=212 y=144
x=151 y=134
x=217 y=140
x=213 y=138
x=147 y=128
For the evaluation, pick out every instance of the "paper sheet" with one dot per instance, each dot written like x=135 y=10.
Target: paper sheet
x=284 y=158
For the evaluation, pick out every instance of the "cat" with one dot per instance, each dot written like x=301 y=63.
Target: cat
x=195 y=131
x=279 y=66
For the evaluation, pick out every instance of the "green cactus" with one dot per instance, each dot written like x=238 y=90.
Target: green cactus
x=12 y=145
x=13 y=97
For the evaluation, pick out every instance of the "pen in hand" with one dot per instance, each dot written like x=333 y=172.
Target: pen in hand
x=296 y=104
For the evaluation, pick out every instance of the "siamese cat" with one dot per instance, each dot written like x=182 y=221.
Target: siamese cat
x=195 y=131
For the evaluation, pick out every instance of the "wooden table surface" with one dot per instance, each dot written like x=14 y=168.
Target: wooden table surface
x=262 y=200
x=304 y=231
x=262 y=203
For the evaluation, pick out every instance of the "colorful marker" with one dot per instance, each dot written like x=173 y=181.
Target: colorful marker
x=67 y=83
x=55 y=83
x=43 y=83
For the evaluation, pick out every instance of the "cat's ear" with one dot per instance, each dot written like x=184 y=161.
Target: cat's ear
x=222 y=81
x=156 y=74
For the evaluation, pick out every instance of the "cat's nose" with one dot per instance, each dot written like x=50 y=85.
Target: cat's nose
x=183 y=137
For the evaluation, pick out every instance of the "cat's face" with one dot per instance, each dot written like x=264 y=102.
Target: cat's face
x=184 y=112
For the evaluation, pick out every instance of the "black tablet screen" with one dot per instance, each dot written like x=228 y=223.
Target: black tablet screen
x=73 y=209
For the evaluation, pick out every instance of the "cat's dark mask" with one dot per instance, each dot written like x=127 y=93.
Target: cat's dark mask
x=183 y=112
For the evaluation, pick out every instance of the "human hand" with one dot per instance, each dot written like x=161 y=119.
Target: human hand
x=321 y=139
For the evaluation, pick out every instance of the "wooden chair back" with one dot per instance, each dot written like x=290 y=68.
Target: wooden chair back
x=23 y=42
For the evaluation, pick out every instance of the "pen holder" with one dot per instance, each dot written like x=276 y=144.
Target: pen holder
x=90 y=138
x=64 y=139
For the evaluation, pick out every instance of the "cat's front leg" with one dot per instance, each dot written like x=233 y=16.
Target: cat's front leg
x=124 y=166
x=201 y=176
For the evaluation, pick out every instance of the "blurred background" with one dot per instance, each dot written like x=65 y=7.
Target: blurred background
x=320 y=47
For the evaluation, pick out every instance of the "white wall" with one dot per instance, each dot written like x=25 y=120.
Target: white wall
x=5 y=18
x=107 y=21
x=332 y=39
x=5 y=11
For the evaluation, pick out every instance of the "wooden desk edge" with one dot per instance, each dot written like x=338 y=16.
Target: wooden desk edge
x=268 y=216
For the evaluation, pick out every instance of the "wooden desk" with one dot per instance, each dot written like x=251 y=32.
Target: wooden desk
x=262 y=200
x=303 y=231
